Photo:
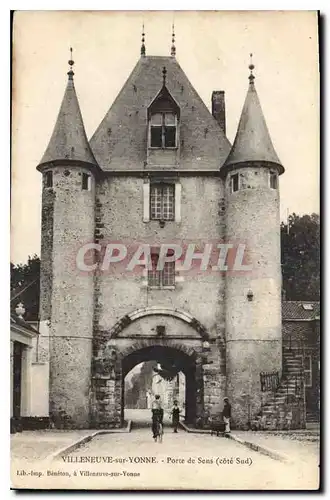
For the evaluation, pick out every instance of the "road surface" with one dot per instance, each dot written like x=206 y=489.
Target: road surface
x=181 y=461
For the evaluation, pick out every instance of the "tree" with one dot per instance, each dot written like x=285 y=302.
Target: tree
x=300 y=249
x=25 y=286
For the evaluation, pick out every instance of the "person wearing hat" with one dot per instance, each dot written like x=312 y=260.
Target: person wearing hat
x=175 y=412
x=226 y=414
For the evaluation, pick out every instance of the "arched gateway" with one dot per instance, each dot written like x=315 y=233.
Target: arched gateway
x=159 y=334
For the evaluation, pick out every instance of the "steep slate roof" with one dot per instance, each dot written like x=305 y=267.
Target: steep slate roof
x=252 y=142
x=120 y=142
x=69 y=140
x=294 y=310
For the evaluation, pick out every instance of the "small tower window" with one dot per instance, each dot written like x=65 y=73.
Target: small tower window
x=162 y=202
x=163 y=130
x=49 y=179
x=86 y=182
x=273 y=180
x=234 y=183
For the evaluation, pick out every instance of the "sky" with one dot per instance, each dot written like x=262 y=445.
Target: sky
x=212 y=48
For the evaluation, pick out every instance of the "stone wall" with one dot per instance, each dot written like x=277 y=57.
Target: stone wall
x=46 y=262
x=121 y=213
x=119 y=205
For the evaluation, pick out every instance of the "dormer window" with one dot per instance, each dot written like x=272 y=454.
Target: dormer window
x=163 y=130
x=163 y=122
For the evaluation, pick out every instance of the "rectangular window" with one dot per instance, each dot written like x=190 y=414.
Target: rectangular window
x=273 y=180
x=163 y=130
x=156 y=137
x=162 y=201
x=86 y=182
x=156 y=130
x=308 y=370
x=169 y=130
x=49 y=179
x=169 y=274
x=234 y=183
x=161 y=278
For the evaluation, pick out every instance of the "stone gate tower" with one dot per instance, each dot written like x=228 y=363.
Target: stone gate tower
x=69 y=170
x=159 y=169
x=253 y=297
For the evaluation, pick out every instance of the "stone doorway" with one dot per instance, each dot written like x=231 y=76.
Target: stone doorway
x=165 y=356
x=108 y=404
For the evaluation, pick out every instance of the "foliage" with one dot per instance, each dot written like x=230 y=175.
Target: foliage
x=25 y=286
x=300 y=245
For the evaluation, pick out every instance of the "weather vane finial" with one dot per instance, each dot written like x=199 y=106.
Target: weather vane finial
x=173 y=49
x=71 y=63
x=251 y=68
x=143 y=47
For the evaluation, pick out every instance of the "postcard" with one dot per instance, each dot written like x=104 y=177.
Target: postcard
x=165 y=283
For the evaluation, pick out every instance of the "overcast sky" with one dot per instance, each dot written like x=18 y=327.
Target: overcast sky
x=212 y=48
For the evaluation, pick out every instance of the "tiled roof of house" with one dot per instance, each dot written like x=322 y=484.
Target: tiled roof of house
x=120 y=141
x=300 y=310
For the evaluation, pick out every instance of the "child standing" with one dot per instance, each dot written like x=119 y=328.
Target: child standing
x=175 y=416
x=157 y=415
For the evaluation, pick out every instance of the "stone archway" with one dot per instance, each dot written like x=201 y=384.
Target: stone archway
x=108 y=399
x=159 y=311
x=188 y=366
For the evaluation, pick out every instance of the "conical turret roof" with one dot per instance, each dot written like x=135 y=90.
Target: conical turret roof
x=69 y=140
x=252 y=142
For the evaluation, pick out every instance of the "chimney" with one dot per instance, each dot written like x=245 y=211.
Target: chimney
x=219 y=108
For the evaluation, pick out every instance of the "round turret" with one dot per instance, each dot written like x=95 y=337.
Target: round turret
x=253 y=292
x=69 y=174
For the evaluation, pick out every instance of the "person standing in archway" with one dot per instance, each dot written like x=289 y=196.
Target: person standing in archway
x=226 y=414
x=175 y=416
x=157 y=414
